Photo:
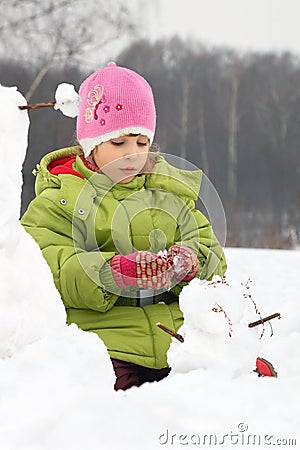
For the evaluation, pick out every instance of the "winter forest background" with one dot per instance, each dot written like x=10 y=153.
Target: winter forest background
x=234 y=114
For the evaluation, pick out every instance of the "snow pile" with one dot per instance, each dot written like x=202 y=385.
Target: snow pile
x=56 y=382
x=29 y=302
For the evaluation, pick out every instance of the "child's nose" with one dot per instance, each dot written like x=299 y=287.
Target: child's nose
x=131 y=151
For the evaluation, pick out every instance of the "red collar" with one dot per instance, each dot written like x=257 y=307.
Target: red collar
x=65 y=166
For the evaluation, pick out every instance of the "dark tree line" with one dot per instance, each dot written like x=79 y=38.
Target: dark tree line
x=235 y=116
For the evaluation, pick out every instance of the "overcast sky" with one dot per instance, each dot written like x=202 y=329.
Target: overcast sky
x=244 y=24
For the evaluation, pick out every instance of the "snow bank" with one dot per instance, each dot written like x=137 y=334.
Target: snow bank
x=59 y=393
x=30 y=304
x=56 y=381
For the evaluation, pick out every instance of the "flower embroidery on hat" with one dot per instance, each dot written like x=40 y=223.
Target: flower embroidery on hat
x=102 y=122
x=119 y=107
x=88 y=115
x=95 y=95
x=106 y=109
x=94 y=98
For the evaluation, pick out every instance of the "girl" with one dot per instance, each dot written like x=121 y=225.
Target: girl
x=118 y=226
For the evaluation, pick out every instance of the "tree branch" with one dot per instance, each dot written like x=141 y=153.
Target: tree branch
x=37 y=105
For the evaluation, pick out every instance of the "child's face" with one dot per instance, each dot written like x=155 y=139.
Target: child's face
x=122 y=158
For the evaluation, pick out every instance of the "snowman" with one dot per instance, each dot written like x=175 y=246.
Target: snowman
x=215 y=330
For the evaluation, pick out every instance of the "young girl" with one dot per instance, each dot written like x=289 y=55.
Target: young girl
x=118 y=227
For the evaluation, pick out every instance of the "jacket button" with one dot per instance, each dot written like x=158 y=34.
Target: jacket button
x=81 y=211
x=63 y=201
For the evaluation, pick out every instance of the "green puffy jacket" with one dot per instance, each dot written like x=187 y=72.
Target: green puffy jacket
x=81 y=219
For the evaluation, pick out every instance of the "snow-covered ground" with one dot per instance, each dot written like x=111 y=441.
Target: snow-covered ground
x=56 y=382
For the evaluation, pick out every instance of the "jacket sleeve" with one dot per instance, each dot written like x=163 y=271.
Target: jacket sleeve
x=75 y=270
x=195 y=231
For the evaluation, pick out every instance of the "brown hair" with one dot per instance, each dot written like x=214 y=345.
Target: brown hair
x=151 y=159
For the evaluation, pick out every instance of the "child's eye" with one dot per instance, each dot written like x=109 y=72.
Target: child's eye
x=142 y=143
x=117 y=142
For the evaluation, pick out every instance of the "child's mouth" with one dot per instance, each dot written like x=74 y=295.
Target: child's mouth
x=129 y=169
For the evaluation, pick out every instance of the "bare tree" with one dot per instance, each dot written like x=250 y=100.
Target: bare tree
x=234 y=71
x=76 y=32
x=178 y=59
x=199 y=82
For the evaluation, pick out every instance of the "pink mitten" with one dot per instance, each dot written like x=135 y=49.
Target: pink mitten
x=142 y=269
x=185 y=262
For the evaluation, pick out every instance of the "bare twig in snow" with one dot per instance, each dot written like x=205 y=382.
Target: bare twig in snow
x=218 y=308
x=263 y=320
x=171 y=332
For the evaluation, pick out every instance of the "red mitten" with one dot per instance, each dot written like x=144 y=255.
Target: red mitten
x=185 y=262
x=143 y=269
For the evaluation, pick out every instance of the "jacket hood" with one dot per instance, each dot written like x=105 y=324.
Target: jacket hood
x=44 y=178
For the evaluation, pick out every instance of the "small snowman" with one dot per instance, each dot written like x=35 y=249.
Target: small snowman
x=215 y=330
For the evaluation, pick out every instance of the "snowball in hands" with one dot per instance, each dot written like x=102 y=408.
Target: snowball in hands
x=67 y=99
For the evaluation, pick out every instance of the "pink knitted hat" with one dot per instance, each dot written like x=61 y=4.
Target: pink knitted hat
x=114 y=101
